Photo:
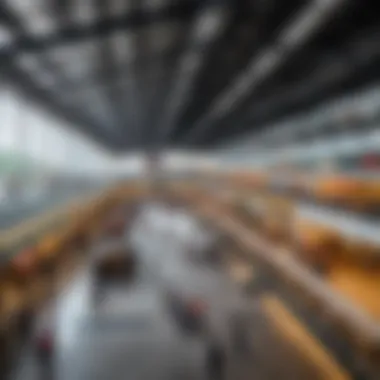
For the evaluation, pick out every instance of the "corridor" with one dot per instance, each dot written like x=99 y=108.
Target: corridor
x=130 y=335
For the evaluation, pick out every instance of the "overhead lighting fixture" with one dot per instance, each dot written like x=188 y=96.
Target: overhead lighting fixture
x=209 y=24
x=298 y=33
x=266 y=62
x=308 y=22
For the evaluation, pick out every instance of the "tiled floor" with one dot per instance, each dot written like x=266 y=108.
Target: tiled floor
x=130 y=337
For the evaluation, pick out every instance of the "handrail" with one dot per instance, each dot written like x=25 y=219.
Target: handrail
x=12 y=235
x=347 y=224
x=361 y=329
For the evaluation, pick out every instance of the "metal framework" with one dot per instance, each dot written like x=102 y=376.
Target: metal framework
x=187 y=73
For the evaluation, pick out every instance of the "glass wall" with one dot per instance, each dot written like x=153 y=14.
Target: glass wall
x=42 y=160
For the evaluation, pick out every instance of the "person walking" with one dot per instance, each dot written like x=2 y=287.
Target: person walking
x=44 y=342
x=45 y=354
x=215 y=363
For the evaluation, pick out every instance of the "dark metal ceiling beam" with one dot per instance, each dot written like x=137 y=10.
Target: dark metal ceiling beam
x=107 y=62
x=132 y=92
x=116 y=83
x=61 y=11
x=116 y=74
x=339 y=70
x=77 y=33
x=210 y=24
x=246 y=31
x=154 y=95
x=22 y=79
x=17 y=29
x=357 y=65
x=304 y=26
x=27 y=87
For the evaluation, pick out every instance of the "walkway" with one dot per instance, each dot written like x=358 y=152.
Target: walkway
x=130 y=336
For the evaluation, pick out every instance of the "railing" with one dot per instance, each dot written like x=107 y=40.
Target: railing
x=354 y=323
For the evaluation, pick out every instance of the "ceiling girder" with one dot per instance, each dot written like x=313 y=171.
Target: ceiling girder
x=308 y=21
x=76 y=33
x=209 y=25
x=78 y=122
x=106 y=59
x=339 y=70
x=24 y=80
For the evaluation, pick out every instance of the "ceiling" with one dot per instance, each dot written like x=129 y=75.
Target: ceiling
x=136 y=74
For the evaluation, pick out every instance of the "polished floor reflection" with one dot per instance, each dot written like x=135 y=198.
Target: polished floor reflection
x=131 y=336
x=127 y=336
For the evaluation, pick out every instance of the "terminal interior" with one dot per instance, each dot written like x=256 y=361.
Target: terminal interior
x=189 y=190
